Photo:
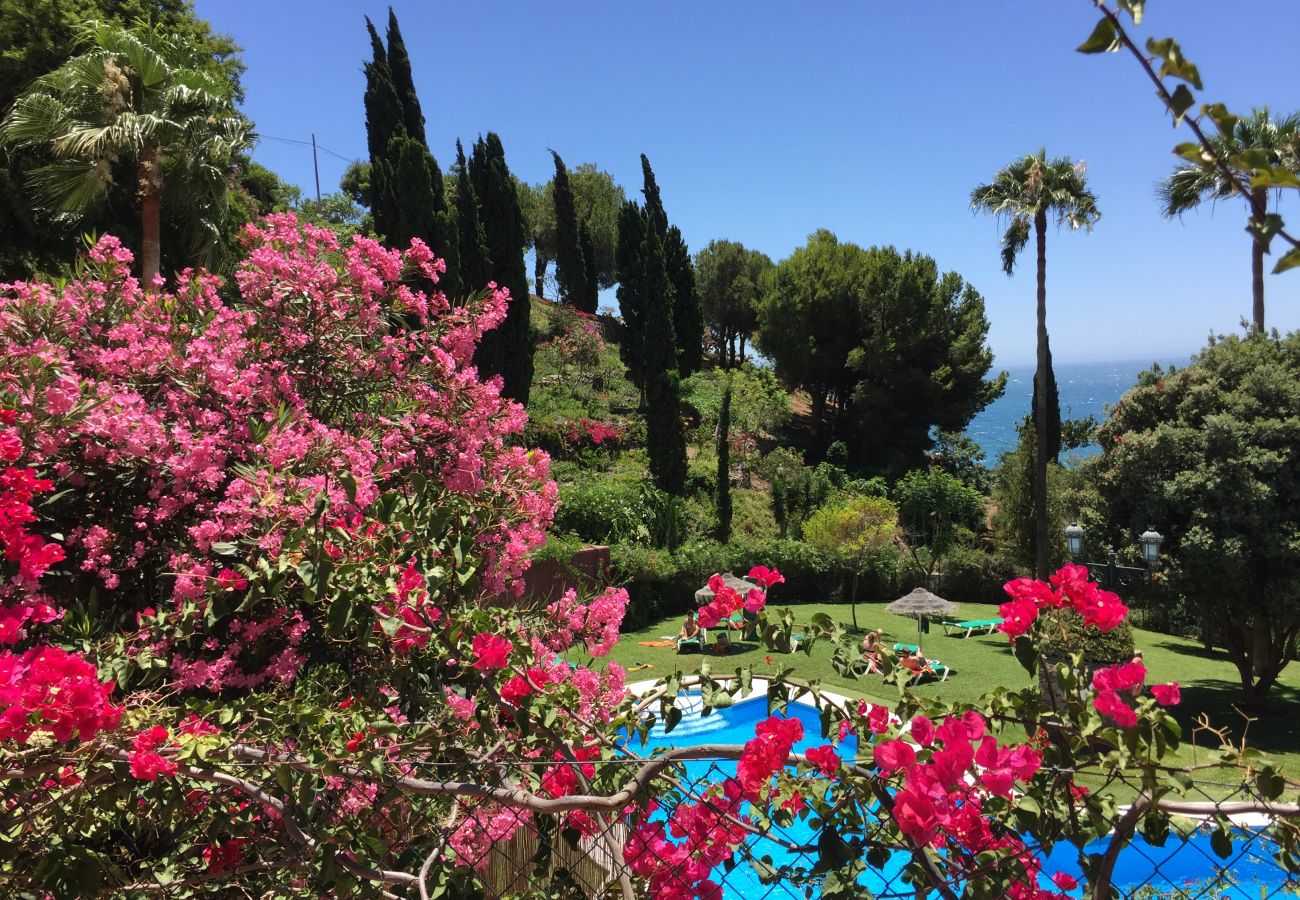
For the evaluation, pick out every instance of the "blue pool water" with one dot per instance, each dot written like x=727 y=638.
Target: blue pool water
x=1250 y=873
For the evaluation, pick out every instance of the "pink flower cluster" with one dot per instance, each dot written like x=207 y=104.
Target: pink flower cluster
x=1069 y=588
x=593 y=432
x=145 y=760
x=766 y=753
x=49 y=689
x=676 y=861
x=726 y=600
x=594 y=623
x=190 y=420
x=45 y=688
x=1115 y=683
x=947 y=775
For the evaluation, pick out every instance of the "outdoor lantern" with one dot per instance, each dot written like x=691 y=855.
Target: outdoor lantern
x=1151 y=541
x=1074 y=537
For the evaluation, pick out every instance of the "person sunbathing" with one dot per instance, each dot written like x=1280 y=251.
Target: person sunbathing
x=871 y=647
x=915 y=663
x=690 y=629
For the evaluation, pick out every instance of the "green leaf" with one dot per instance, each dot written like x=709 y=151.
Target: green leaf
x=1223 y=120
x=1274 y=177
x=1180 y=102
x=340 y=613
x=1221 y=842
x=1026 y=654
x=672 y=718
x=1134 y=8
x=224 y=548
x=1289 y=261
x=1192 y=152
x=1103 y=39
x=1173 y=63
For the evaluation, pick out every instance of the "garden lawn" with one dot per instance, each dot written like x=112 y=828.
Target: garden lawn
x=982 y=662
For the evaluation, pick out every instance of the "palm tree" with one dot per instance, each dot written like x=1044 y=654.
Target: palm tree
x=141 y=98
x=1026 y=193
x=1191 y=183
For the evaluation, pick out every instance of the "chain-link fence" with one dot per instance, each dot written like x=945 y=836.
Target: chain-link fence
x=627 y=827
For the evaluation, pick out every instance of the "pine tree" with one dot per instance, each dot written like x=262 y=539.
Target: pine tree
x=724 y=467
x=589 y=299
x=631 y=301
x=688 y=318
x=507 y=350
x=665 y=437
x=475 y=263
x=570 y=266
x=399 y=65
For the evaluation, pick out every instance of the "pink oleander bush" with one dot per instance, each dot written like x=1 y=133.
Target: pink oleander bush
x=292 y=522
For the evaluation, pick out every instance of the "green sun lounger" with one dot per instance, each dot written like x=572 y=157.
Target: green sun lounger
x=970 y=626
x=690 y=645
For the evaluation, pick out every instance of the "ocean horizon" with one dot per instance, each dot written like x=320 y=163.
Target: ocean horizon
x=1086 y=389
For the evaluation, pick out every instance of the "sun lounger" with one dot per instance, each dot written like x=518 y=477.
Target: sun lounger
x=970 y=626
x=690 y=645
x=910 y=648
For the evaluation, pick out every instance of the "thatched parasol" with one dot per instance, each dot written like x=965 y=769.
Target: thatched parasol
x=921 y=603
x=739 y=585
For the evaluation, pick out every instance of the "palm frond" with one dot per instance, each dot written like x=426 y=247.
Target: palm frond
x=1013 y=241
x=34 y=120
x=70 y=187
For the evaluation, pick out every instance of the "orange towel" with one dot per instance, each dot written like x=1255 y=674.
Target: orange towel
x=657 y=643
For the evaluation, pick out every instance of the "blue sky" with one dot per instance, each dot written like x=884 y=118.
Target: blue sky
x=767 y=120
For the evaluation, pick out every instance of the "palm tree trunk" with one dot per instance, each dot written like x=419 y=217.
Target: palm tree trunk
x=1259 y=203
x=1041 y=536
x=150 y=175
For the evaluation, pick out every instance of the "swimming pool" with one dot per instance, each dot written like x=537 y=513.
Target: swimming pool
x=1182 y=868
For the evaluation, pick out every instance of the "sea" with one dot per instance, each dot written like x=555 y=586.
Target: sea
x=1086 y=389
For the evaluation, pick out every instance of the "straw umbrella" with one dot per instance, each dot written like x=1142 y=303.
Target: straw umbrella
x=921 y=603
x=739 y=585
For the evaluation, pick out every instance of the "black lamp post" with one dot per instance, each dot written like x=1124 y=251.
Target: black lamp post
x=1110 y=575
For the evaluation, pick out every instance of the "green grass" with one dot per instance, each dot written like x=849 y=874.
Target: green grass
x=982 y=662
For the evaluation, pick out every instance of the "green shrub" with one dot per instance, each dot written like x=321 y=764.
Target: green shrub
x=974 y=575
x=1070 y=635
x=603 y=512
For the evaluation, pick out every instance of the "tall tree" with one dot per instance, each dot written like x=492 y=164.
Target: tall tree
x=632 y=230
x=665 y=437
x=728 y=279
x=38 y=38
x=724 y=507
x=598 y=200
x=858 y=328
x=1210 y=455
x=688 y=320
x=1053 y=410
x=1278 y=143
x=570 y=267
x=589 y=299
x=509 y=349
x=1025 y=194
x=132 y=95
x=399 y=64
x=408 y=193
x=475 y=262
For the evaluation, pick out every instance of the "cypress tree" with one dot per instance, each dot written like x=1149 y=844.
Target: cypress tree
x=399 y=65
x=1053 y=410
x=589 y=300
x=688 y=317
x=409 y=196
x=570 y=266
x=665 y=437
x=654 y=206
x=507 y=350
x=475 y=263
x=631 y=301
x=724 y=466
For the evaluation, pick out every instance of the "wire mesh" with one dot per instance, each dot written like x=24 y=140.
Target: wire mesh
x=495 y=845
